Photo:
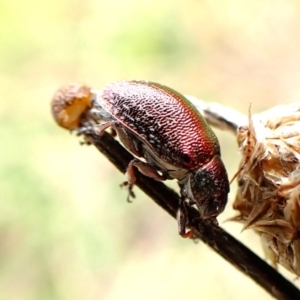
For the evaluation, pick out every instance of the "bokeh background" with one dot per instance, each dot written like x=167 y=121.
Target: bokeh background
x=66 y=231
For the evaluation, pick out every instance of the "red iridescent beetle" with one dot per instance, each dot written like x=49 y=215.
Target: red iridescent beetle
x=158 y=124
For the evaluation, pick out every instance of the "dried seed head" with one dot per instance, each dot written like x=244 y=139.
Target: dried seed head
x=268 y=196
x=69 y=103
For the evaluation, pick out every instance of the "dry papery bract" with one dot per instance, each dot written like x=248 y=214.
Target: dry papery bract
x=269 y=182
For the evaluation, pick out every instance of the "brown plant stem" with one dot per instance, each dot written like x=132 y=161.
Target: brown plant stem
x=218 y=239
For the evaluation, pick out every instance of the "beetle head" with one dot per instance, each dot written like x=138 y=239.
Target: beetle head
x=207 y=187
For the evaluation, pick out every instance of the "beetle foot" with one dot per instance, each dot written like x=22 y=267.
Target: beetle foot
x=129 y=187
x=85 y=143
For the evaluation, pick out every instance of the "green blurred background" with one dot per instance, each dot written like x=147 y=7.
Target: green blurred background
x=66 y=231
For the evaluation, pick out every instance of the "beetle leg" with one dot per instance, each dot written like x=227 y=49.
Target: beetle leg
x=181 y=216
x=182 y=219
x=145 y=169
x=96 y=129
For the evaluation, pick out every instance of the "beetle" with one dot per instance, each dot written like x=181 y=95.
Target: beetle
x=161 y=126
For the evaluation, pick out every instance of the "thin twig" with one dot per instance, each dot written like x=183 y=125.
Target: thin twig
x=218 y=239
